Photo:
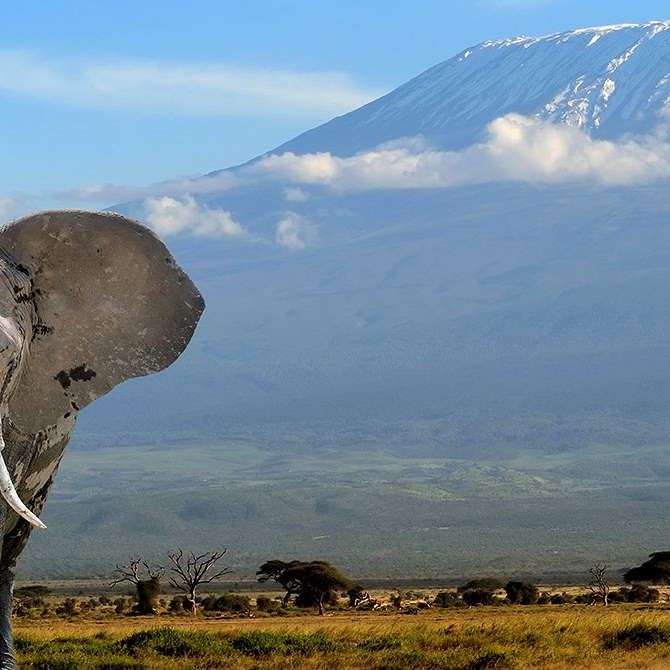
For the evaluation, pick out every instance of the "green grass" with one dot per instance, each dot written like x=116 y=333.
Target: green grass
x=511 y=638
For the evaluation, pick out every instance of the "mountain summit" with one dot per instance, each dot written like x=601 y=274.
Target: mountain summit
x=458 y=356
x=610 y=80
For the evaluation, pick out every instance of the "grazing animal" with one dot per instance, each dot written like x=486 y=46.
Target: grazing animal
x=87 y=300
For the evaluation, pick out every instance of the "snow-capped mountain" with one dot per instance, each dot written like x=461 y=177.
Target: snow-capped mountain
x=337 y=288
x=386 y=334
x=611 y=81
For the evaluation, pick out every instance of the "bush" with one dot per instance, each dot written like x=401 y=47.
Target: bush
x=521 y=593
x=148 y=591
x=31 y=596
x=266 y=604
x=229 y=602
x=492 y=660
x=380 y=643
x=448 y=599
x=167 y=641
x=67 y=608
x=637 y=636
x=477 y=597
x=486 y=584
x=263 y=643
x=120 y=605
x=480 y=591
x=561 y=598
x=177 y=605
x=619 y=596
x=639 y=593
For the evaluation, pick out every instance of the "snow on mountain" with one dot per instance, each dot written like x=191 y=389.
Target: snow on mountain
x=332 y=288
x=504 y=302
x=610 y=80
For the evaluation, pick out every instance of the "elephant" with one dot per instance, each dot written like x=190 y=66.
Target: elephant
x=87 y=300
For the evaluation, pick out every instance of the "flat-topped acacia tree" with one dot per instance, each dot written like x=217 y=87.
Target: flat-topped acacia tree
x=314 y=579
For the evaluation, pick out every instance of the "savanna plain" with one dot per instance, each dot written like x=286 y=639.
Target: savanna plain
x=621 y=635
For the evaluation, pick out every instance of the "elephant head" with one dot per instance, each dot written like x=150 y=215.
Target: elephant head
x=87 y=300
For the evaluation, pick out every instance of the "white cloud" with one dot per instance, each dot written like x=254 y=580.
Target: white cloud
x=518 y=149
x=168 y=216
x=295 y=232
x=183 y=88
x=296 y=194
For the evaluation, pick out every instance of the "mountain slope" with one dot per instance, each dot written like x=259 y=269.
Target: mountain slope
x=506 y=323
x=611 y=81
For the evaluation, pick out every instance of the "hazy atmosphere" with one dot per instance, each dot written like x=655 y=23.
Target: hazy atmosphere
x=431 y=241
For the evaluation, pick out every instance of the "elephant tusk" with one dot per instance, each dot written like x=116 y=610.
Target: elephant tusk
x=9 y=492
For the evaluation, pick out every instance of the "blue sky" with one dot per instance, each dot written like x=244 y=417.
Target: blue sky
x=102 y=95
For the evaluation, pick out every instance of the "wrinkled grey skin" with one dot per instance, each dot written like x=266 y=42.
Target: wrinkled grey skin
x=87 y=300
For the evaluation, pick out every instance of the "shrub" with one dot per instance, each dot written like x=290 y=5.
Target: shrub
x=176 y=605
x=486 y=584
x=448 y=599
x=67 y=608
x=380 y=643
x=561 y=598
x=31 y=596
x=263 y=643
x=173 y=643
x=266 y=604
x=619 y=596
x=477 y=597
x=492 y=660
x=637 y=636
x=521 y=593
x=639 y=593
x=120 y=605
x=229 y=602
x=148 y=591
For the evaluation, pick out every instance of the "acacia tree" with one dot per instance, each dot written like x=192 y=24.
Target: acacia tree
x=192 y=572
x=148 y=588
x=313 y=580
x=599 y=585
x=282 y=573
x=521 y=593
x=654 y=571
x=480 y=591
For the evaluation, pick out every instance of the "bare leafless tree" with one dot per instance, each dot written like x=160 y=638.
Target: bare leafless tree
x=148 y=586
x=192 y=570
x=599 y=585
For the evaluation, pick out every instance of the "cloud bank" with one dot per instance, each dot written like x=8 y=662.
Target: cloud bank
x=183 y=88
x=518 y=149
x=295 y=232
x=168 y=216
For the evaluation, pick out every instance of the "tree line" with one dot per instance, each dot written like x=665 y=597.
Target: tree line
x=319 y=584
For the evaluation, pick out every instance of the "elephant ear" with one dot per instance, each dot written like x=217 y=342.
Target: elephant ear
x=110 y=302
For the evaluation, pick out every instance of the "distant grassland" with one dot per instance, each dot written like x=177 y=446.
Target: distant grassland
x=498 y=638
x=382 y=510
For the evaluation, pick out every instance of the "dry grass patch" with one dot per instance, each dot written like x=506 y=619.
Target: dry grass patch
x=496 y=638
